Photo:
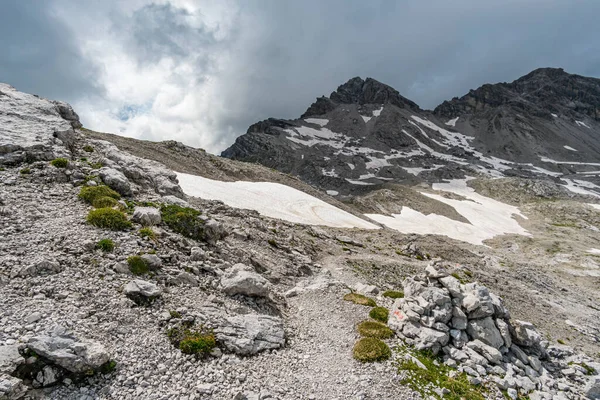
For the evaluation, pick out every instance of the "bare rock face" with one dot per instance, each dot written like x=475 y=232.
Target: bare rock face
x=32 y=127
x=251 y=334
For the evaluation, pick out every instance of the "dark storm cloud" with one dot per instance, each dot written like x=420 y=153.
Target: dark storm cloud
x=38 y=54
x=272 y=58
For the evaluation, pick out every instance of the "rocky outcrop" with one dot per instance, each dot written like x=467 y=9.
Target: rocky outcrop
x=250 y=334
x=57 y=355
x=33 y=128
x=241 y=279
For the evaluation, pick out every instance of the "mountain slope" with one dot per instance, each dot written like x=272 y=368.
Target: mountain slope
x=365 y=135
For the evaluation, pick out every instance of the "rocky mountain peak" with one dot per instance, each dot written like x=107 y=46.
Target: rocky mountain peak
x=360 y=91
x=541 y=92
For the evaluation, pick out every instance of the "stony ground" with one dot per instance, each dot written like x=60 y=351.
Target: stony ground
x=545 y=279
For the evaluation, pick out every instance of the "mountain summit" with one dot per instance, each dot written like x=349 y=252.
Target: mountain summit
x=365 y=134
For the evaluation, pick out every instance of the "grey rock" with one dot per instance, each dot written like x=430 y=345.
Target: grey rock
x=152 y=261
x=251 y=333
x=11 y=388
x=486 y=331
x=170 y=199
x=185 y=278
x=65 y=350
x=241 y=280
x=592 y=388
x=43 y=267
x=9 y=358
x=197 y=254
x=141 y=292
x=526 y=335
x=504 y=330
x=214 y=231
x=490 y=353
x=115 y=180
x=147 y=216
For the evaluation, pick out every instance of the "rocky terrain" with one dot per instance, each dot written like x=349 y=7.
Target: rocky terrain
x=116 y=284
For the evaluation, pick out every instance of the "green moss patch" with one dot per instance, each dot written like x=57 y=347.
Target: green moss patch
x=108 y=218
x=199 y=342
x=91 y=193
x=183 y=220
x=137 y=265
x=104 y=201
x=393 y=294
x=88 y=149
x=371 y=349
x=360 y=299
x=436 y=375
x=59 y=163
x=147 y=233
x=106 y=245
x=374 y=329
x=379 y=314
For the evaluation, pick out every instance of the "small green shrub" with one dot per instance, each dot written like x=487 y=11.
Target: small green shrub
x=96 y=165
x=60 y=162
x=183 y=220
x=147 y=233
x=106 y=245
x=108 y=218
x=371 y=349
x=137 y=265
x=174 y=314
x=91 y=193
x=379 y=314
x=393 y=294
x=360 y=299
x=374 y=329
x=2 y=169
x=25 y=171
x=88 y=149
x=104 y=201
x=272 y=243
x=198 y=342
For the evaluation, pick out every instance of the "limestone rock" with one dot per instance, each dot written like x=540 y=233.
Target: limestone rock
x=141 y=292
x=241 y=280
x=486 y=331
x=147 y=216
x=63 y=349
x=251 y=333
x=115 y=180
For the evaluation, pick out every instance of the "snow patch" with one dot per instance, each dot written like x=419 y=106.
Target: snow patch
x=366 y=119
x=549 y=160
x=319 y=121
x=596 y=206
x=570 y=148
x=355 y=182
x=581 y=187
x=488 y=217
x=581 y=123
x=330 y=173
x=452 y=122
x=554 y=115
x=333 y=192
x=594 y=251
x=273 y=200
x=351 y=166
x=377 y=113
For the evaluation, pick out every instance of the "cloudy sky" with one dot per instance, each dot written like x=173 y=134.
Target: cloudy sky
x=202 y=71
